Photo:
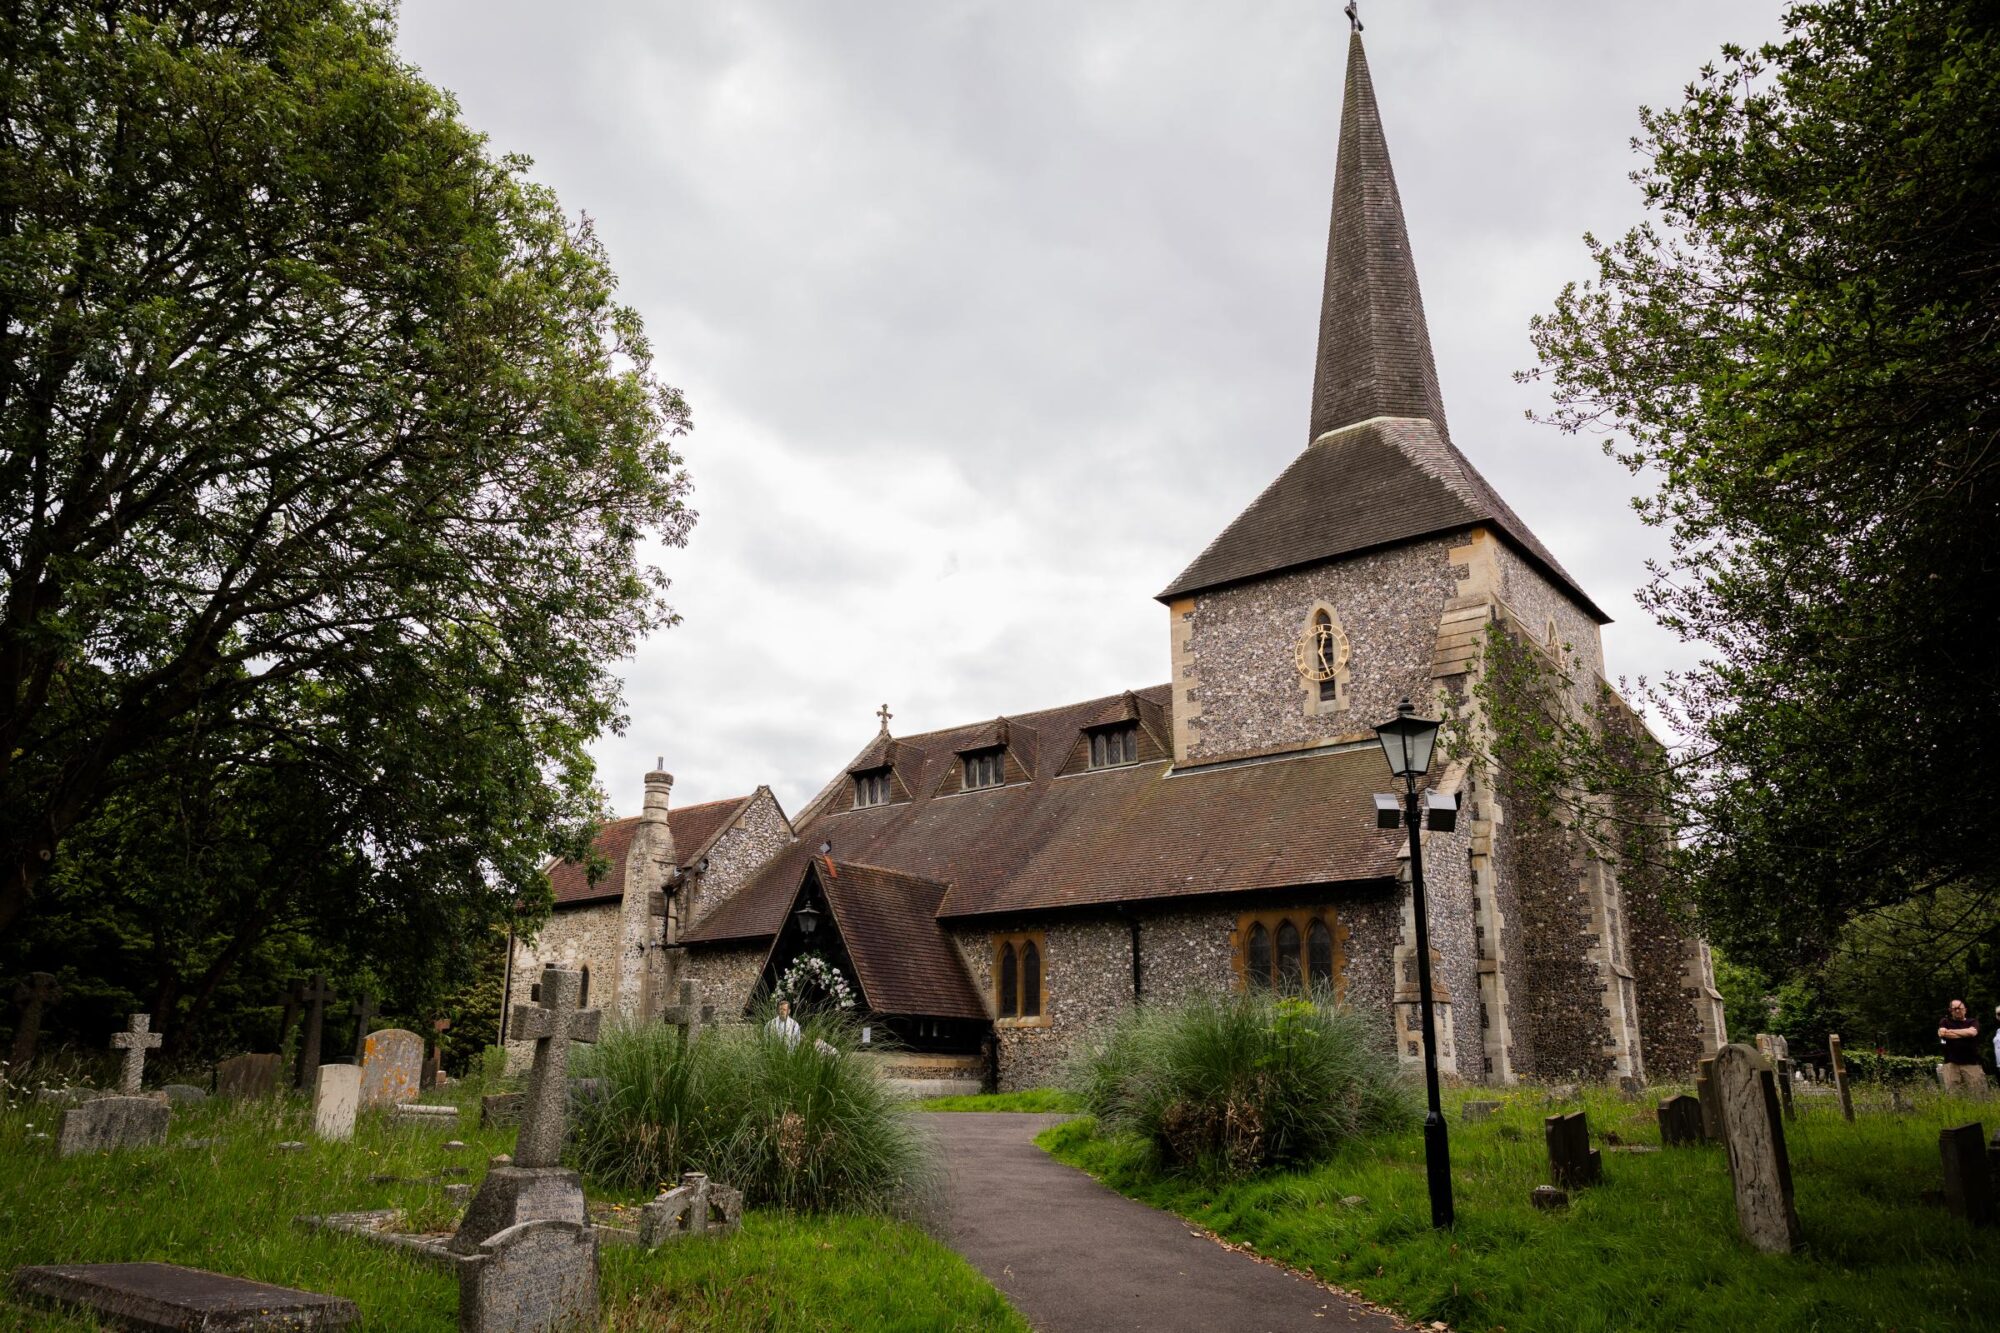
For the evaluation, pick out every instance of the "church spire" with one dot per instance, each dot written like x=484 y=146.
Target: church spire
x=1374 y=350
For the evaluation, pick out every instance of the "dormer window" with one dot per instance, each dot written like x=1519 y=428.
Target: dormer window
x=1114 y=746
x=985 y=768
x=871 y=787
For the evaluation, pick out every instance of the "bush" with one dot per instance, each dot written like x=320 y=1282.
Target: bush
x=790 y=1125
x=1868 y=1067
x=1226 y=1086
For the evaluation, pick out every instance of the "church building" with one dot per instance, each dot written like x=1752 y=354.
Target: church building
x=991 y=892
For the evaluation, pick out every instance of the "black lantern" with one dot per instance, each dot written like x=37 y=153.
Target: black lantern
x=1408 y=742
x=807 y=917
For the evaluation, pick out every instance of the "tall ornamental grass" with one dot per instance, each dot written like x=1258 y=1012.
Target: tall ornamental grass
x=807 y=1126
x=1223 y=1086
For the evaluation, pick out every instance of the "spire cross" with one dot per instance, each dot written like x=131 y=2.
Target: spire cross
x=135 y=1041
x=1353 y=12
x=884 y=713
x=552 y=1024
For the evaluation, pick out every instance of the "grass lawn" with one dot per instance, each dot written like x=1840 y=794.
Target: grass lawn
x=1028 y=1099
x=229 y=1208
x=1654 y=1247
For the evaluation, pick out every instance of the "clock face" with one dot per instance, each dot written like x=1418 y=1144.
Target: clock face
x=1322 y=650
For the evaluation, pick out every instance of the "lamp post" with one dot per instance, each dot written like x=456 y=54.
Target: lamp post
x=1407 y=742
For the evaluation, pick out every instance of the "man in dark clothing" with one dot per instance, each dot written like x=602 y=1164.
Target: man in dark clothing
x=1959 y=1035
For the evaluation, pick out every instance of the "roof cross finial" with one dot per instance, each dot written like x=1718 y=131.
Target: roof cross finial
x=884 y=713
x=1353 y=12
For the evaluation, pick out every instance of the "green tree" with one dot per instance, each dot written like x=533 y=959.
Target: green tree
x=321 y=427
x=1800 y=353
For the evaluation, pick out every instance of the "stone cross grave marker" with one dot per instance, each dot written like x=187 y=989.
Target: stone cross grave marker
x=293 y=998
x=364 y=1010
x=1840 y=1075
x=336 y=1097
x=1680 y=1122
x=1711 y=1102
x=112 y=1122
x=1573 y=1163
x=434 y=1062
x=1755 y=1132
x=682 y=1016
x=532 y=1277
x=533 y=1186
x=391 y=1065
x=315 y=996
x=695 y=1207
x=31 y=997
x=1968 y=1178
x=135 y=1041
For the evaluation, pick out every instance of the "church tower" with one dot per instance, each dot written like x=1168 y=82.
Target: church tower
x=1371 y=570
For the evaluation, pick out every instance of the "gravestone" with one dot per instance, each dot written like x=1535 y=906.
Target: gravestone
x=169 y=1297
x=249 y=1076
x=1755 y=1133
x=1968 y=1176
x=695 y=1207
x=531 y=1277
x=1783 y=1066
x=1473 y=1112
x=1573 y=1163
x=681 y=1016
x=433 y=1073
x=293 y=998
x=407 y=1114
x=533 y=1185
x=1548 y=1197
x=336 y=1098
x=499 y=1109
x=31 y=997
x=112 y=1122
x=390 y=1063
x=363 y=1011
x=1839 y=1063
x=184 y=1093
x=135 y=1041
x=1705 y=1092
x=1680 y=1122
x=315 y=996
x=1630 y=1088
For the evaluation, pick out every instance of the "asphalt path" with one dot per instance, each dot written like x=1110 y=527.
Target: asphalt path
x=1074 y=1257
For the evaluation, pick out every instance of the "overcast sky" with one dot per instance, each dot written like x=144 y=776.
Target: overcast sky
x=991 y=315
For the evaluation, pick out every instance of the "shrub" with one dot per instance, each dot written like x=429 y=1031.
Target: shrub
x=1230 y=1085
x=1868 y=1067
x=790 y=1125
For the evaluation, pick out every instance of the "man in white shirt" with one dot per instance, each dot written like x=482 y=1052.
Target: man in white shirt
x=784 y=1025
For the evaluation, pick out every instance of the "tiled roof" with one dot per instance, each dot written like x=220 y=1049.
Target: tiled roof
x=1358 y=489
x=1138 y=833
x=694 y=828
x=903 y=960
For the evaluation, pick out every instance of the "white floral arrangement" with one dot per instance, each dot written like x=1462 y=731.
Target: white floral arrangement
x=810 y=969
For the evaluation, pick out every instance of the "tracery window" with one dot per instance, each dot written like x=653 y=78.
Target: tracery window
x=1017 y=979
x=872 y=787
x=1294 y=950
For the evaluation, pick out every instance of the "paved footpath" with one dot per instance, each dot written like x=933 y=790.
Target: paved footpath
x=1074 y=1257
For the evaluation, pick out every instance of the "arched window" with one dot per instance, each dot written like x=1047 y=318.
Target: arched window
x=1289 y=979
x=1259 y=957
x=1319 y=955
x=583 y=993
x=1010 y=986
x=1031 y=981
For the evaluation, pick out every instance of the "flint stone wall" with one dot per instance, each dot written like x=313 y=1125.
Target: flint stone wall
x=725 y=976
x=757 y=836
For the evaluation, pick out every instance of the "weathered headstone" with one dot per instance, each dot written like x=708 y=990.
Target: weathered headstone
x=1631 y=1088
x=533 y=1277
x=1573 y=1163
x=169 y=1297
x=695 y=1207
x=1840 y=1075
x=1783 y=1066
x=184 y=1093
x=533 y=1185
x=499 y=1108
x=408 y=1114
x=1473 y=1112
x=1548 y=1197
x=31 y=997
x=1968 y=1177
x=336 y=1098
x=315 y=996
x=1705 y=1092
x=135 y=1041
x=1755 y=1133
x=363 y=1012
x=1680 y=1122
x=249 y=1076
x=390 y=1064
x=112 y=1122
